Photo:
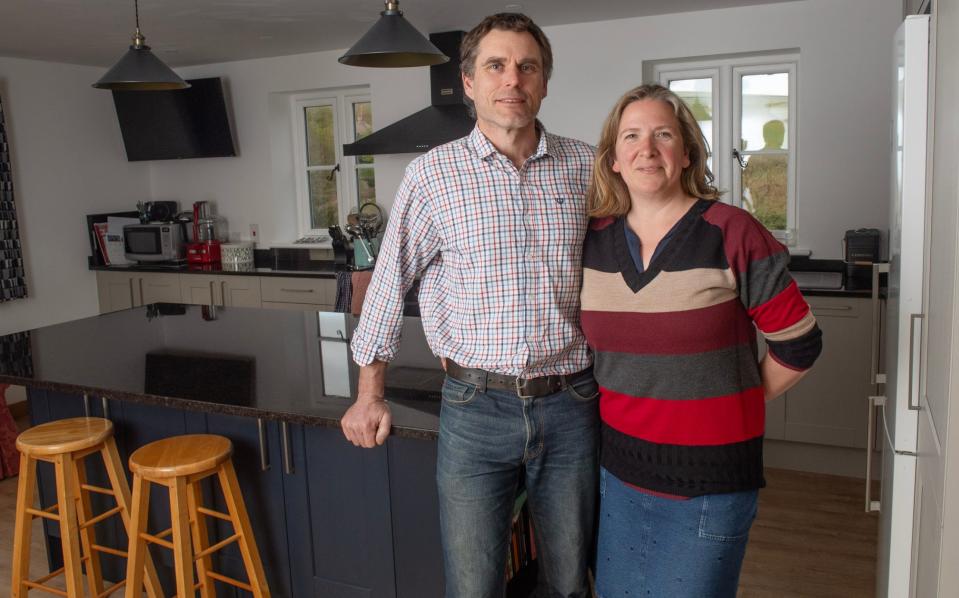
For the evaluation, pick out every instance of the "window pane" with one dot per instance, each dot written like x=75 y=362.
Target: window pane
x=362 y=126
x=320 y=150
x=764 y=188
x=765 y=116
x=323 y=210
x=698 y=95
x=365 y=185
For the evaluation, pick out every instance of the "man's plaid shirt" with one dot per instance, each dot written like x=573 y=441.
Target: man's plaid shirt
x=499 y=253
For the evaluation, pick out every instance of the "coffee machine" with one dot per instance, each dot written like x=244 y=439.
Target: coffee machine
x=860 y=252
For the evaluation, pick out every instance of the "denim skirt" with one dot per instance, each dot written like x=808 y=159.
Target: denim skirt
x=662 y=547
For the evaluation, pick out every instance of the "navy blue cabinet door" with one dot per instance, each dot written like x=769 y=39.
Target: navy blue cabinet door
x=263 y=495
x=338 y=517
x=418 y=554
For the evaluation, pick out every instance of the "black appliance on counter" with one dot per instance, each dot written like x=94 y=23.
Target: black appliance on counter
x=860 y=252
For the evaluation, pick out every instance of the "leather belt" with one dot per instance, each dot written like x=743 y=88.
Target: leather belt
x=525 y=388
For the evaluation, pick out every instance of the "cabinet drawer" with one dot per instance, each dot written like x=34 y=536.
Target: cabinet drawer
x=307 y=291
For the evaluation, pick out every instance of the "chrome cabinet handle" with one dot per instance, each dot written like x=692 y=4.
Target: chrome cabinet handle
x=264 y=454
x=106 y=407
x=297 y=290
x=287 y=457
x=877 y=376
x=223 y=293
x=86 y=405
x=872 y=404
x=912 y=346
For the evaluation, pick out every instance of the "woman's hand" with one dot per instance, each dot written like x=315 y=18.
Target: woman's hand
x=777 y=378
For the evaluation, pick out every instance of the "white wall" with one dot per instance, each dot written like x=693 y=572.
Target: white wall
x=844 y=107
x=68 y=161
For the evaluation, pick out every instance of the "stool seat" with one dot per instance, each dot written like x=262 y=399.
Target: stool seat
x=180 y=456
x=64 y=436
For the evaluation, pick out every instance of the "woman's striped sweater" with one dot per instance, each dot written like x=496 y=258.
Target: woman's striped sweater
x=675 y=350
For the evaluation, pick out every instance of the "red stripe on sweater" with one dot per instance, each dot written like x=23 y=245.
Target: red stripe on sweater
x=694 y=422
x=669 y=333
x=782 y=311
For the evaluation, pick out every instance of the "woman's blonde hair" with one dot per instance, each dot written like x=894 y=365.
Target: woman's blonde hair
x=607 y=194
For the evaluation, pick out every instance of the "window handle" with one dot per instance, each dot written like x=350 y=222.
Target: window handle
x=739 y=158
x=333 y=172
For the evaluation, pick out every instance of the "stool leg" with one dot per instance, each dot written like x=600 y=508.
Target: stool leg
x=241 y=521
x=200 y=540
x=137 y=551
x=121 y=491
x=182 y=546
x=23 y=526
x=69 y=530
x=88 y=537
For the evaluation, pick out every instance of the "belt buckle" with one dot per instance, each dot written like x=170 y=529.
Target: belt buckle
x=519 y=383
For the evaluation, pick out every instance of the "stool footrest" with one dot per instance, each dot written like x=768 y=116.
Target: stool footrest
x=158 y=539
x=101 y=517
x=97 y=489
x=112 y=589
x=39 y=586
x=51 y=512
x=216 y=547
x=108 y=550
x=233 y=582
x=213 y=513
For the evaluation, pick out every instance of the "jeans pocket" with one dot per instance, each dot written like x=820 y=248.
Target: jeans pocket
x=727 y=517
x=584 y=389
x=457 y=392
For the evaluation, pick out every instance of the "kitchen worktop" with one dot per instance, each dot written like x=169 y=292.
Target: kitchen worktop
x=326 y=270
x=105 y=356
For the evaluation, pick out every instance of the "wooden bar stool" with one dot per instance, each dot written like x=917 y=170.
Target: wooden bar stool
x=180 y=463
x=66 y=443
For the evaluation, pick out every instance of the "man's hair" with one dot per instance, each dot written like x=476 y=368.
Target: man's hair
x=504 y=21
x=607 y=194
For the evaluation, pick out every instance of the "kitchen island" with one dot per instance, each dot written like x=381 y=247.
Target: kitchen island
x=330 y=519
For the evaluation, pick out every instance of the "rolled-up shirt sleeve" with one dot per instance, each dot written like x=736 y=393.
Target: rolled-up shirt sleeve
x=411 y=242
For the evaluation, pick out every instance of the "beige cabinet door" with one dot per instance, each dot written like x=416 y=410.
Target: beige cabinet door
x=117 y=290
x=159 y=287
x=200 y=289
x=240 y=291
x=298 y=293
x=829 y=405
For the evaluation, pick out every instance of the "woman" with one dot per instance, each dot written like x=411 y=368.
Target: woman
x=674 y=286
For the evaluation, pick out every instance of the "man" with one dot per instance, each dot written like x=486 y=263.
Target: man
x=494 y=223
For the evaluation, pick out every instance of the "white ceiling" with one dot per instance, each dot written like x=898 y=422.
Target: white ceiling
x=185 y=32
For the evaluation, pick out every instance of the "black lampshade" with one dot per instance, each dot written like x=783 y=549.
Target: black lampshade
x=140 y=70
x=393 y=42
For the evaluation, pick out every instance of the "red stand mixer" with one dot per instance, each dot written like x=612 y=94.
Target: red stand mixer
x=205 y=248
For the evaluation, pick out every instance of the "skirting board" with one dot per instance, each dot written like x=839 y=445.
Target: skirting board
x=819 y=458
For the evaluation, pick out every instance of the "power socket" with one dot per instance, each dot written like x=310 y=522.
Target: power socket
x=254 y=233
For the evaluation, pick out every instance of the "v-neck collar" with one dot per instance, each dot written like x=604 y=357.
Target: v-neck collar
x=635 y=279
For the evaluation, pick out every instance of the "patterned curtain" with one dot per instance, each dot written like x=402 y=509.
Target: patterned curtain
x=12 y=283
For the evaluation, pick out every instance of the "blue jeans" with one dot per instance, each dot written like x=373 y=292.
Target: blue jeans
x=487 y=442
x=654 y=546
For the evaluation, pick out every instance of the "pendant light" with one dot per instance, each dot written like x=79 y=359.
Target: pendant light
x=393 y=42
x=139 y=69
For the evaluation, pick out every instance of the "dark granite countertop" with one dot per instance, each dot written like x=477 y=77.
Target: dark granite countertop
x=329 y=271
x=283 y=379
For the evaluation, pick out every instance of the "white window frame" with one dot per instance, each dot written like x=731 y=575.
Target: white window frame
x=347 y=194
x=727 y=118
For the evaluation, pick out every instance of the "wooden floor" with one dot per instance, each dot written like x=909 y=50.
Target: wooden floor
x=811 y=539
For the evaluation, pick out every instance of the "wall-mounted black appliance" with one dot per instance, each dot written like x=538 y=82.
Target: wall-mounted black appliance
x=447 y=118
x=168 y=125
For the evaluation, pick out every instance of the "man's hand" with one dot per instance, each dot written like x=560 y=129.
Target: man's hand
x=367 y=422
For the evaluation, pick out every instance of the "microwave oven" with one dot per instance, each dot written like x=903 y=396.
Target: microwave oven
x=154 y=242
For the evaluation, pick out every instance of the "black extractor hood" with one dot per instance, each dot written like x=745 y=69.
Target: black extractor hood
x=446 y=119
